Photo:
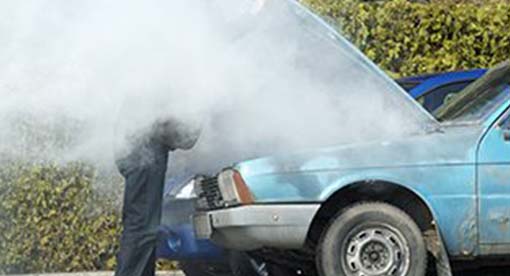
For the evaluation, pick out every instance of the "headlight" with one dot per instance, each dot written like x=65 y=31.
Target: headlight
x=233 y=188
x=224 y=190
x=187 y=191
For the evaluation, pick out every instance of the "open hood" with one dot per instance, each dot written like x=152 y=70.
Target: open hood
x=367 y=76
x=321 y=56
x=298 y=85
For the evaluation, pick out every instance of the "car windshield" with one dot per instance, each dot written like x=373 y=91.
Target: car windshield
x=479 y=99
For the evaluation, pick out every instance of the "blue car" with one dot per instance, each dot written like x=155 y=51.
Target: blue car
x=377 y=208
x=383 y=205
x=199 y=256
x=203 y=257
x=432 y=90
x=178 y=241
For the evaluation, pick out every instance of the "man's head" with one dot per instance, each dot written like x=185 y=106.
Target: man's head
x=176 y=134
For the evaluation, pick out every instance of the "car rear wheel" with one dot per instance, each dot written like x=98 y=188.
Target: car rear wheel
x=372 y=239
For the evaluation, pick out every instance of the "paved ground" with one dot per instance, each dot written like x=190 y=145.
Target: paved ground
x=105 y=273
x=480 y=272
x=487 y=272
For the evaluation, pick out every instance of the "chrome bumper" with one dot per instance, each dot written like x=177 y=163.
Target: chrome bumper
x=257 y=226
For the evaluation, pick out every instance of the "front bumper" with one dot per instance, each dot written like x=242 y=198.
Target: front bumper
x=176 y=237
x=256 y=226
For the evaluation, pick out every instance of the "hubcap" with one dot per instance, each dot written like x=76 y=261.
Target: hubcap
x=375 y=251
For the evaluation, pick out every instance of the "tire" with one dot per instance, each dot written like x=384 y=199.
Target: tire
x=204 y=269
x=372 y=239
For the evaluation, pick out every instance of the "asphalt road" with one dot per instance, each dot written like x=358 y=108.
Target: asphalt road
x=486 y=272
x=101 y=273
x=480 y=272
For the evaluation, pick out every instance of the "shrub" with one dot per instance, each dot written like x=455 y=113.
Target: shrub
x=51 y=220
x=407 y=38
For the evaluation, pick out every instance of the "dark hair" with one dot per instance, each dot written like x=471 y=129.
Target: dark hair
x=175 y=134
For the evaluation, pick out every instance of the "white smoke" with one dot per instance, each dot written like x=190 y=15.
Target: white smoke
x=264 y=76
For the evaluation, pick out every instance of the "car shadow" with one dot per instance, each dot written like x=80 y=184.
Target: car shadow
x=499 y=271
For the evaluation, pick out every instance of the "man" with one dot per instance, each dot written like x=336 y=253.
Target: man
x=143 y=163
x=142 y=156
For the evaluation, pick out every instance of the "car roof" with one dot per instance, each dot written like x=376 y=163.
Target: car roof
x=420 y=84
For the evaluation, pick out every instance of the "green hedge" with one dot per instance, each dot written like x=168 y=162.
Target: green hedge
x=52 y=220
x=59 y=218
x=407 y=38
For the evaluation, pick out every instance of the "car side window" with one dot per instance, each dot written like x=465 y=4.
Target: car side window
x=433 y=99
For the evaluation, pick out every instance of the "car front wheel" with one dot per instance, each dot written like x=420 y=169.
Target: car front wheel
x=372 y=239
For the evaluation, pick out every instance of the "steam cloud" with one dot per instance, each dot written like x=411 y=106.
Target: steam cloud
x=260 y=78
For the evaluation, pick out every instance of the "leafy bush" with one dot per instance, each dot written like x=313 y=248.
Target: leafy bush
x=407 y=38
x=51 y=220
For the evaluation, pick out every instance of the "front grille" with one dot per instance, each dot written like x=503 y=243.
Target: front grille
x=209 y=194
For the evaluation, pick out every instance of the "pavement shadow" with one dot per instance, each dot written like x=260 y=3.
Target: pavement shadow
x=499 y=271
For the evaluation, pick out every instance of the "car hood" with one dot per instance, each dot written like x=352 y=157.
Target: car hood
x=369 y=102
x=321 y=61
x=453 y=145
x=348 y=61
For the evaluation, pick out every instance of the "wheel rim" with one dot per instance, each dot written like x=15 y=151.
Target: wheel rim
x=378 y=250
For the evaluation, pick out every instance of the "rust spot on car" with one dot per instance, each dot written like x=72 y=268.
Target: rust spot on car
x=468 y=234
x=501 y=219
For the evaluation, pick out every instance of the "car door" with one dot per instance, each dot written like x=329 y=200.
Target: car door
x=494 y=189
